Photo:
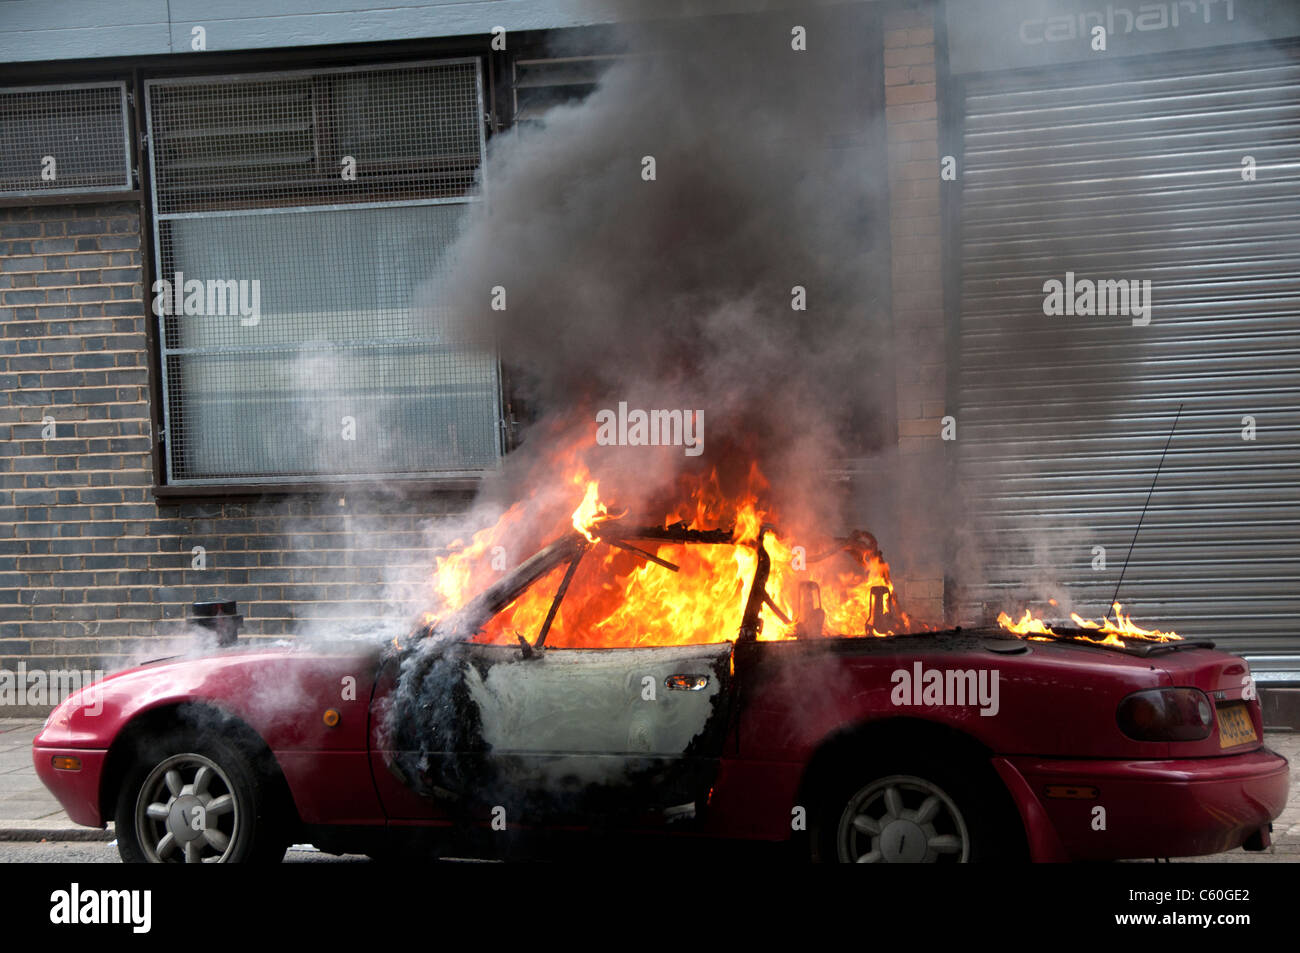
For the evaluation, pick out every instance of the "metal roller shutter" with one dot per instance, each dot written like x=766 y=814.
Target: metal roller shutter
x=1134 y=171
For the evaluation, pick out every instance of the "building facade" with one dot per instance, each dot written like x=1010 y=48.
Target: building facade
x=1019 y=146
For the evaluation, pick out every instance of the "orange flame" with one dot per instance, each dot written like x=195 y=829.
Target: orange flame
x=1026 y=626
x=590 y=511
x=1111 y=633
x=618 y=597
x=1123 y=626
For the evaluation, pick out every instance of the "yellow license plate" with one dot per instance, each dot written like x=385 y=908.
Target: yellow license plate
x=1235 y=726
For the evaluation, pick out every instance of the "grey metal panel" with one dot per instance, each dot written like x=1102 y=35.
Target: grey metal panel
x=363 y=24
x=49 y=15
x=1135 y=172
x=71 y=29
x=83 y=43
x=36 y=30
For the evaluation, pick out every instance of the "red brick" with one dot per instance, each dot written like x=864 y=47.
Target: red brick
x=918 y=446
x=909 y=299
x=923 y=390
x=919 y=149
x=914 y=265
x=928 y=226
x=914 y=244
x=918 y=427
x=907 y=409
x=927 y=129
x=918 y=93
x=912 y=112
x=907 y=20
x=913 y=171
x=908 y=208
x=916 y=188
x=909 y=56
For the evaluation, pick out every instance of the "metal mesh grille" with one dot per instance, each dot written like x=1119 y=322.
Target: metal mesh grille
x=304 y=330
x=292 y=139
x=64 y=139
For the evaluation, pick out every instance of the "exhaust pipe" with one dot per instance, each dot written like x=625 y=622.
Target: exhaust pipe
x=221 y=618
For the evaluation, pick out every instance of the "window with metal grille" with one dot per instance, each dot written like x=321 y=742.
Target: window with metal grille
x=64 y=139
x=301 y=224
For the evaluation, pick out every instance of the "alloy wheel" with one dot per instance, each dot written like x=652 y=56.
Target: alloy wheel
x=187 y=812
x=902 y=819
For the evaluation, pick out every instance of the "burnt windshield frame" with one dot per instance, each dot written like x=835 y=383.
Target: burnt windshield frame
x=572 y=548
x=470 y=617
x=671 y=534
x=540 y=643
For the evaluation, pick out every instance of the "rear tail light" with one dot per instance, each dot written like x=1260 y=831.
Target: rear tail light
x=1166 y=714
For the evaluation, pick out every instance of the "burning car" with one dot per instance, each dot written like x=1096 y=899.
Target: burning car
x=680 y=680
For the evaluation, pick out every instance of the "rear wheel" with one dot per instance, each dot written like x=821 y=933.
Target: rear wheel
x=915 y=809
x=193 y=801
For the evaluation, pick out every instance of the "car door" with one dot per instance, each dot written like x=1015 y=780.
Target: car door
x=609 y=730
x=566 y=727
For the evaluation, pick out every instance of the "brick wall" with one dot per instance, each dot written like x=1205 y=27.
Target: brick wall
x=74 y=464
x=916 y=278
x=94 y=571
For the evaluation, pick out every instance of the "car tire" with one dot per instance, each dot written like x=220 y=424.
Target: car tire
x=198 y=800
x=915 y=808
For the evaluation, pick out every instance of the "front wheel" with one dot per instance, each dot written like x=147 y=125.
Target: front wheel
x=196 y=802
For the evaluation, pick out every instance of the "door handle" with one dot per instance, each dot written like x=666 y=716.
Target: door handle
x=686 y=683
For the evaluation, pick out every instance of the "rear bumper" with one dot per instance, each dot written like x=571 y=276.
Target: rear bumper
x=1131 y=809
x=77 y=791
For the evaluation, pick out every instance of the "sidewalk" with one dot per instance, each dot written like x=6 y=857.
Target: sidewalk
x=29 y=812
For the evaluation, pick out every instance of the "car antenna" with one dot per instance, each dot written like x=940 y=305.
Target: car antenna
x=1124 y=569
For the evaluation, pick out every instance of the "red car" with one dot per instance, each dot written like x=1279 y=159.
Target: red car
x=951 y=746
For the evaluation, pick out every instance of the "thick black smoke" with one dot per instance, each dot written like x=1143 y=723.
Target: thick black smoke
x=676 y=292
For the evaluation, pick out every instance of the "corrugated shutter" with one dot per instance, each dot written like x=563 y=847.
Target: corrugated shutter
x=1135 y=171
